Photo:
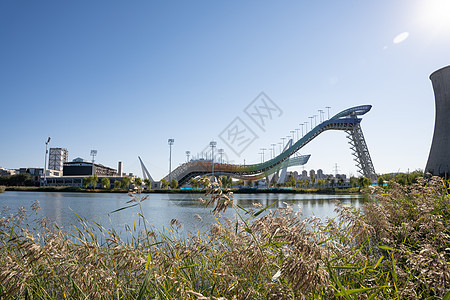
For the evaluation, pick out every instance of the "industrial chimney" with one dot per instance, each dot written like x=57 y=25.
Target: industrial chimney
x=120 y=168
x=439 y=158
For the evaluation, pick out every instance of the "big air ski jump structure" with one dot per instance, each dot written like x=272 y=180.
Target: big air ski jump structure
x=347 y=120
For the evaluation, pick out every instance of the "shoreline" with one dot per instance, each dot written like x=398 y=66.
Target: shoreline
x=347 y=191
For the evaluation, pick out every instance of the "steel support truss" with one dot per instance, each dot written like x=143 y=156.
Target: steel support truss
x=361 y=152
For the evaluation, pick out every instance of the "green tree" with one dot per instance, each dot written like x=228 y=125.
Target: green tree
x=193 y=182
x=340 y=181
x=363 y=181
x=164 y=183
x=174 y=183
x=138 y=182
x=148 y=183
x=106 y=183
x=321 y=182
x=94 y=181
x=126 y=182
x=380 y=181
x=353 y=181
x=117 y=184
x=291 y=181
x=87 y=181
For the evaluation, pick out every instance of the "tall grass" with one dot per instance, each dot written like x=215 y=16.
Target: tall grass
x=395 y=247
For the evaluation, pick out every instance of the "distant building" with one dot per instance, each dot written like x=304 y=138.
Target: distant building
x=5 y=172
x=83 y=168
x=56 y=158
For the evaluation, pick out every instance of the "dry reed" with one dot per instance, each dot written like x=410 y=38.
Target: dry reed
x=397 y=246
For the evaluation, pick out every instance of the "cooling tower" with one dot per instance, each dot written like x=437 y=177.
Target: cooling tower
x=439 y=159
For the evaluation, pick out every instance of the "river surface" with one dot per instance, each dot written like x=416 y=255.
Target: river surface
x=158 y=209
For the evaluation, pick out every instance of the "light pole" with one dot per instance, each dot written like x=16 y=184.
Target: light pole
x=263 y=149
x=273 y=149
x=297 y=129
x=306 y=125
x=213 y=145
x=327 y=107
x=188 y=153
x=302 y=124
x=320 y=114
x=311 y=121
x=93 y=154
x=221 y=153
x=293 y=137
x=279 y=143
x=315 y=120
x=45 y=163
x=170 y=141
x=283 y=138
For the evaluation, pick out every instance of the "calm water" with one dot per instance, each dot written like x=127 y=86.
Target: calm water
x=159 y=209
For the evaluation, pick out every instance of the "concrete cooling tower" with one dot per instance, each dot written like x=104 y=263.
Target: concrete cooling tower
x=439 y=158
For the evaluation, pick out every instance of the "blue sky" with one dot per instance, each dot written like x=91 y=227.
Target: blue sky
x=123 y=77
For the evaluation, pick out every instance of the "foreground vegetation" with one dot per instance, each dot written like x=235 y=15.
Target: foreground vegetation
x=396 y=247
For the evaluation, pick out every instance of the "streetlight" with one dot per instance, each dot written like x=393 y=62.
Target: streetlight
x=320 y=114
x=311 y=121
x=273 y=149
x=263 y=149
x=170 y=142
x=297 y=129
x=315 y=120
x=306 y=125
x=221 y=153
x=302 y=124
x=213 y=145
x=292 y=132
x=327 y=107
x=45 y=164
x=188 y=153
x=93 y=154
x=283 y=138
x=279 y=143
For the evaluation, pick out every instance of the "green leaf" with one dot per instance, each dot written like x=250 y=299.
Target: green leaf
x=262 y=210
x=355 y=291
x=149 y=259
x=447 y=296
x=248 y=230
x=122 y=208
x=386 y=248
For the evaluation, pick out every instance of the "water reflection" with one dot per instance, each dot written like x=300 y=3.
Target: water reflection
x=160 y=209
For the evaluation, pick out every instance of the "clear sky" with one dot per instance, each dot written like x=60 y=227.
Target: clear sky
x=122 y=77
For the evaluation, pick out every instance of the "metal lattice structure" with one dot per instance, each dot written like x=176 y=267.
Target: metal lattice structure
x=361 y=152
x=56 y=158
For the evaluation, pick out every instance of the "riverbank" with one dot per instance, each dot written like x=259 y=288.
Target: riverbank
x=338 y=191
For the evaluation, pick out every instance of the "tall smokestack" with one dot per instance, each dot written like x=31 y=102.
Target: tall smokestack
x=439 y=159
x=120 y=168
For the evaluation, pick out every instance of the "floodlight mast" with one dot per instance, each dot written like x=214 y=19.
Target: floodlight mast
x=93 y=154
x=170 y=142
x=213 y=145
x=45 y=163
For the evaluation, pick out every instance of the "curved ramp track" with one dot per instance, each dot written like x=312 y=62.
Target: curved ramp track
x=347 y=120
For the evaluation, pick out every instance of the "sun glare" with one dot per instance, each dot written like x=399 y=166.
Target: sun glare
x=434 y=15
